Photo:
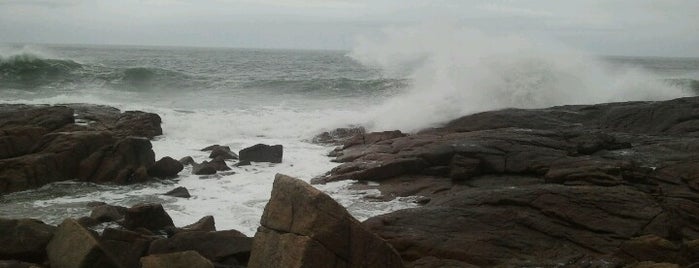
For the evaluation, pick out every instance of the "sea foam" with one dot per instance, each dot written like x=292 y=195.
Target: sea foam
x=457 y=71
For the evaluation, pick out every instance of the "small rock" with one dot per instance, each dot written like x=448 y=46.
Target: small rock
x=179 y=192
x=106 y=213
x=219 y=164
x=166 y=167
x=203 y=169
x=188 y=160
x=149 y=216
x=262 y=153
x=205 y=224
x=215 y=146
x=223 y=152
x=243 y=163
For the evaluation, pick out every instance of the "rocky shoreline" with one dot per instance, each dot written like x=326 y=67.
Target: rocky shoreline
x=607 y=185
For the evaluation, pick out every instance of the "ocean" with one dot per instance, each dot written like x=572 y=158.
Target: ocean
x=241 y=97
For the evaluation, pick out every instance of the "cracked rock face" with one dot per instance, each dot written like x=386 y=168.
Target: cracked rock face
x=303 y=227
x=602 y=185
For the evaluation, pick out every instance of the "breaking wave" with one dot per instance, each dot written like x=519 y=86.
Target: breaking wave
x=456 y=71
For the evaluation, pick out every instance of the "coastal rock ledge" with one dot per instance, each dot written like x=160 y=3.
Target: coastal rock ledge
x=607 y=185
x=40 y=144
x=303 y=227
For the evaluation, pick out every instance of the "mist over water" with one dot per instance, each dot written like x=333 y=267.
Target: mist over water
x=457 y=71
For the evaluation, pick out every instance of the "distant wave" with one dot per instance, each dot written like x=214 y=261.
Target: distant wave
x=330 y=86
x=143 y=78
x=32 y=71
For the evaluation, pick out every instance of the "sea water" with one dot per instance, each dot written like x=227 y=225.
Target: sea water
x=241 y=97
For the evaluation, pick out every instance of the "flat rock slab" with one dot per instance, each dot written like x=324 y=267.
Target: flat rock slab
x=577 y=184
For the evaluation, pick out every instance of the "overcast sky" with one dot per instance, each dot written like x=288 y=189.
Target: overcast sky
x=622 y=27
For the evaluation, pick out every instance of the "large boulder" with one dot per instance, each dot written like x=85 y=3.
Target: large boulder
x=41 y=144
x=149 y=216
x=73 y=246
x=166 y=167
x=125 y=162
x=185 y=259
x=262 y=153
x=24 y=239
x=303 y=227
x=107 y=213
x=125 y=246
x=224 y=247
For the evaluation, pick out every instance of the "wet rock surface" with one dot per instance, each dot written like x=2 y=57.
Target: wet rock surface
x=40 y=144
x=575 y=185
x=166 y=167
x=303 y=227
x=262 y=153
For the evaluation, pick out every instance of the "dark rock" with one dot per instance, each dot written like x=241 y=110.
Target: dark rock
x=19 y=140
x=125 y=162
x=222 y=152
x=338 y=136
x=185 y=259
x=303 y=222
x=24 y=239
x=93 y=204
x=88 y=222
x=205 y=224
x=188 y=160
x=215 y=146
x=42 y=144
x=651 y=248
x=262 y=153
x=208 y=168
x=584 y=185
x=149 y=216
x=74 y=246
x=432 y=262
x=17 y=264
x=204 y=169
x=129 y=123
x=48 y=117
x=219 y=164
x=243 y=163
x=139 y=124
x=179 y=192
x=166 y=167
x=56 y=157
x=107 y=213
x=126 y=247
x=371 y=138
x=219 y=246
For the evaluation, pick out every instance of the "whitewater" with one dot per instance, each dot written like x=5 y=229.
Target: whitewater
x=405 y=78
